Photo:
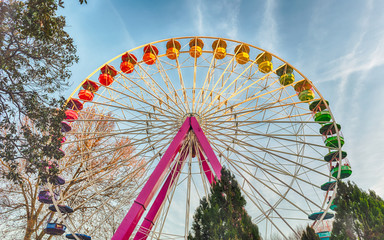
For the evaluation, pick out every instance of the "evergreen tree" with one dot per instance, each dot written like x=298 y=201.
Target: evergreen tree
x=309 y=234
x=359 y=215
x=222 y=215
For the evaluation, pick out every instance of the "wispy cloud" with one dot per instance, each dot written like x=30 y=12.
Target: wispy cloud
x=215 y=19
x=268 y=28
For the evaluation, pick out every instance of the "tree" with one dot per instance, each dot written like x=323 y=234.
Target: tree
x=222 y=214
x=309 y=234
x=22 y=216
x=35 y=55
x=359 y=214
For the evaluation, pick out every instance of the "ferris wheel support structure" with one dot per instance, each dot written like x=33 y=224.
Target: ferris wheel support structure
x=141 y=203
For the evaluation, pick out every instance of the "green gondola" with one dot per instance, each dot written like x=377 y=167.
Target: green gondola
x=287 y=79
x=334 y=156
x=328 y=186
x=333 y=142
x=284 y=69
x=322 y=116
x=318 y=105
x=329 y=129
x=346 y=171
x=306 y=95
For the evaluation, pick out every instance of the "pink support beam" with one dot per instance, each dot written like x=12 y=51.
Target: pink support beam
x=206 y=169
x=134 y=214
x=130 y=221
x=151 y=217
x=204 y=143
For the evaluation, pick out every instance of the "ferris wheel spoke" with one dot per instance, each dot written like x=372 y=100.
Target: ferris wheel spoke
x=274 y=190
x=261 y=210
x=273 y=136
x=182 y=84
x=109 y=151
x=266 y=185
x=218 y=80
x=207 y=80
x=239 y=91
x=252 y=98
x=271 y=166
x=162 y=90
x=141 y=100
x=168 y=81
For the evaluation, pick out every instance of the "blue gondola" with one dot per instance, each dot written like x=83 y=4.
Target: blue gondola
x=317 y=216
x=55 y=229
x=78 y=235
x=62 y=208
x=324 y=235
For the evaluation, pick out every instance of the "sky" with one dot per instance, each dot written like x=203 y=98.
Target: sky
x=338 y=45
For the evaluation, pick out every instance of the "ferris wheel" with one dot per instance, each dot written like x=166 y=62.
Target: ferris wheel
x=153 y=127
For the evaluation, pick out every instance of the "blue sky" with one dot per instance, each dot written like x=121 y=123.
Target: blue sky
x=338 y=45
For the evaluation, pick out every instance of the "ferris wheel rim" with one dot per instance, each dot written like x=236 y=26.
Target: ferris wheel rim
x=164 y=40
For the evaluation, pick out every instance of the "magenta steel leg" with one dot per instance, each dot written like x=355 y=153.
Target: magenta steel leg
x=207 y=169
x=134 y=214
x=204 y=143
x=152 y=214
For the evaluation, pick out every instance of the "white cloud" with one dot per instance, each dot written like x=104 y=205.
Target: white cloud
x=215 y=19
x=268 y=28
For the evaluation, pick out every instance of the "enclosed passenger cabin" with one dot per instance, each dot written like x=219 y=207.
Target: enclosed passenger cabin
x=242 y=53
x=46 y=197
x=55 y=229
x=79 y=236
x=219 y=48
x=334 y=156
x=318 y=105
x=71 y=115
x=85 y=95
x=196 y=46
x=65 y=126
x=107 y=74
x=264 y=61
x=128 y=63
x=333 y=142
x=328 y=186
x=285 y=72
x=346 y=171
x=304 y=90
x=90 y=86
x=74 y=104
x=150 y=54
x=62 y=208
x=326 y=235
x=173 y=49
x=329 y=129
x=317 y=216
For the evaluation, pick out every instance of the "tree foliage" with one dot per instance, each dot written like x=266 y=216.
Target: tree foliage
x=35 y=55
x=86 y=172
x=359 y=214
x=309 y=234
x=222 y=214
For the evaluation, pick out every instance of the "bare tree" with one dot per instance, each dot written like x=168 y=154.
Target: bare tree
x=95 y=183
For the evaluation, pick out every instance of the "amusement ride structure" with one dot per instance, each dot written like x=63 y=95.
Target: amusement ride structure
x=189 y=106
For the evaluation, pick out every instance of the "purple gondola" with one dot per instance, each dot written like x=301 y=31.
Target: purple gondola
x=46 y=197
x=55 y=229
x=65 y=126
x=57 y=180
